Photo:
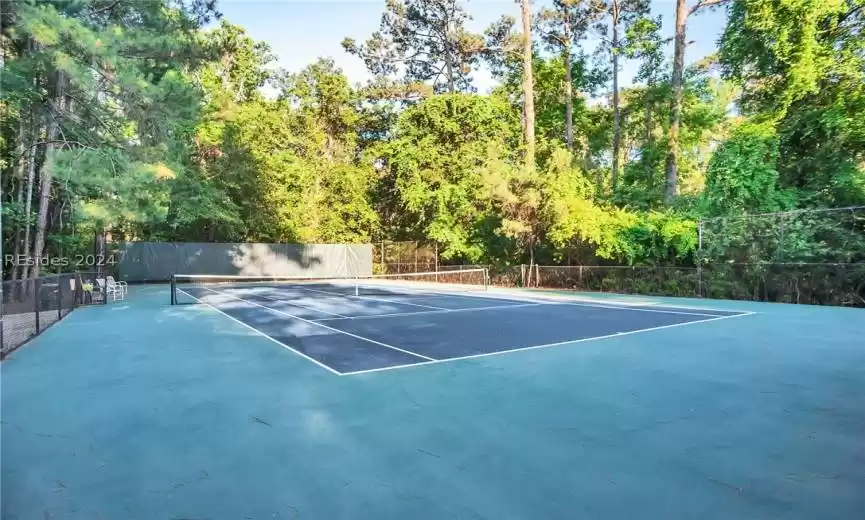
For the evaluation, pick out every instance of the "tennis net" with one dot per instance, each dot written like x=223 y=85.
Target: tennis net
x=201 y=288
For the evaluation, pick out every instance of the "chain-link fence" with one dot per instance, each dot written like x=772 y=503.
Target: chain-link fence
x=404 y=257
x=32 y=305
x=804 y=256
x=812 y=256
x=656 y=281
x=815 y=236
x=816 y=284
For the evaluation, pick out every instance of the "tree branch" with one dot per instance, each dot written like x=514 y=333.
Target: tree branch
x=106 y=8
x=705 y=3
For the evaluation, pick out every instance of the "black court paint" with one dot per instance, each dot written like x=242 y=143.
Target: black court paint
x=443 y=328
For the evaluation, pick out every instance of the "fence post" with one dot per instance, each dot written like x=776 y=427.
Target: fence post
x=59 y=298
x=37 y=289
x=700 y=258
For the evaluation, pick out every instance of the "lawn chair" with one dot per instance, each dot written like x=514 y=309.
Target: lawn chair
x=124 y=288
x=110 y=288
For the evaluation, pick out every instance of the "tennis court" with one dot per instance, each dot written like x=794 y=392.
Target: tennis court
x=351 y=326
x=505 y=405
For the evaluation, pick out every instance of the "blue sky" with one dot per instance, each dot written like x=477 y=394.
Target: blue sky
x=300 y=31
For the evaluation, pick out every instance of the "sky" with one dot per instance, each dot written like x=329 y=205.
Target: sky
x=301 y=31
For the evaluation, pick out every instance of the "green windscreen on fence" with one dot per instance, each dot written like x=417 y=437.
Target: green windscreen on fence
x=158 y=261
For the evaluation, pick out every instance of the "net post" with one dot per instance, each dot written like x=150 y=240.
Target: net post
x=173 y=284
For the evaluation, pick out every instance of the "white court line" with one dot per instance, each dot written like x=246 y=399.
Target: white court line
x=582 y=303
x=280 y=300
x=376 y=299
x=561 y=296
x=527 y=300
x=546 y=345
x=271 y=338
x=443 y=311
x=496 y=293
x=629 y=307
x=638 y=309
x=415 y=354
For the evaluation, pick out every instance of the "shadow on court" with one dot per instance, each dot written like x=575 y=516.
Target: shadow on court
x=143 y=410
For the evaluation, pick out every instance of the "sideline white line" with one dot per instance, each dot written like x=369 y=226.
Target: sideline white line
x=271 y=338
x=376 y=299
x=546 y=345
x=414 y=354
x=423 y=313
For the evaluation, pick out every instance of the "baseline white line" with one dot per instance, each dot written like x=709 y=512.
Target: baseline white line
x=280 y=300
x=261 y=333
x=600 y=305
x=553 y=295
x=546 y=345
x=638 y=309
x=376 y=299
x=584 y=303
x=415 y=354
x=422 y=313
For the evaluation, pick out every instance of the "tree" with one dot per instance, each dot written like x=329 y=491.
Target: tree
x=528 y=86
x=97 y=77
x=682 y=14
x=433 y=168
x=427 y=40
x=563 y=27
x=802 y=67
x=619 y=15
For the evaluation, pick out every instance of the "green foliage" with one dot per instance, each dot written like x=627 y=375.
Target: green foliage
x=166 y=131
x=742 y=175
x=434 y=164
x=787 y=44
x=802 y=66
x=426 y=41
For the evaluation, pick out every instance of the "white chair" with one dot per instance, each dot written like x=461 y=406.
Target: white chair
x=110 y=288
x=124 y=288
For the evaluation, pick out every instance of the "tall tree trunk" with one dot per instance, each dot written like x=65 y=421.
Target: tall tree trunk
x=450 y=72
x=35 y=132
x=57 y=110
x=648 y=141
x=23 y=154
x=528 y=85
x=99 y=251
x=676 y=110
x=19 y=233
x=569 y=89
x=617 y=123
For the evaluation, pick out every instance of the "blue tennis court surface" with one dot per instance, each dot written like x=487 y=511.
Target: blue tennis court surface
x=609 y=408
x=351 y=334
